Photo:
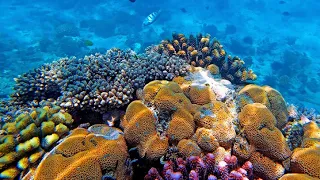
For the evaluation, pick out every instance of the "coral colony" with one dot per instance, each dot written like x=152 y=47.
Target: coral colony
x=183 y=109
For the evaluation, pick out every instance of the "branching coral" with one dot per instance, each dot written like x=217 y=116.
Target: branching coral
x=96 y=82
x=195 y=167
x=201 y=51
x=28 y=137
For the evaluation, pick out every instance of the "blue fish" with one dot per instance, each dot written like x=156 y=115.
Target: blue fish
x=151 y=18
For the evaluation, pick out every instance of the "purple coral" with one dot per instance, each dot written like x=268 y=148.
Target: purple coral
x=195 y=168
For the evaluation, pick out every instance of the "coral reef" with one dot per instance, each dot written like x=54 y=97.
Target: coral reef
x=97 y=153
x=195 y=167
x=28 y=137
x=201 y=51
x=183 y=113
x=96 y=82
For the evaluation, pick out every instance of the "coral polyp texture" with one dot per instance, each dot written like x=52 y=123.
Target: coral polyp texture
x=97 y=153
x=28 y=137
x=195 y=167
x=183 y=113
x=202 y=51
x=267 y=96
x=97 y=82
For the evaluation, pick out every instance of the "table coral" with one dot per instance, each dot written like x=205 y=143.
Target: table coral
x=29 y=136
x=96 y=153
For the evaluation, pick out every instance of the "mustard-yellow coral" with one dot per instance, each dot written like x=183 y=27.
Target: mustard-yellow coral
x=259 y=126
x=88 y=156
x=267 y=96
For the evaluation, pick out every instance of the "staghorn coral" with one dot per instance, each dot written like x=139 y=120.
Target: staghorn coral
x=29 y=136
x=97 y=153
x=201 y=51
x=207 y=167
x=97 y=82
x=267 y=96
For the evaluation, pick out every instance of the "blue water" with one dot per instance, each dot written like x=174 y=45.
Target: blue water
x=279 y=40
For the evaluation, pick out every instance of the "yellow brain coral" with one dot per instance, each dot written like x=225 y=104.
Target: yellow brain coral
x=165 y=115
x=267 y=96
x=86 y=155
x=259 y=126
x=297 y=176
x=306 y=160
x=265 y=167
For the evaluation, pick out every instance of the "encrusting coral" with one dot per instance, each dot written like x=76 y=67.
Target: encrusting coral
x=97 y=153
x=29 y=136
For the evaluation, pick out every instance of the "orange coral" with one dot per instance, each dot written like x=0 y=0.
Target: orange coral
x=89 y=156
x=187 y=148
x=213 y=69
x=306 y=160
x=139 y=123
x=259 y=126
x=181 y=125
x=152 y=131
x=205 y=139
x=268 y=96
x=265 y=167
x=297 y=176
x=200 y=94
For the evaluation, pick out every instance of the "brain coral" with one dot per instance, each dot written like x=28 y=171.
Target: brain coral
x=201 y=51
x=170 y=121
x=307 y=159
x=266 y=167
x=268 y=96
x=97 y=82
x=28 y=137
x=259 y=126
x=96 y=153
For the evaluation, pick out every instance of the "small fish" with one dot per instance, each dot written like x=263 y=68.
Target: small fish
x=151 y=18
x=282 y=2
x=132 y=1
x=183 y=10
x=286 y=13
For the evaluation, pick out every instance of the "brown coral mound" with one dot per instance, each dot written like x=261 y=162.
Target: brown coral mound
x=166 y=116
x=306 y=160
x=265 y=167
x=267 y=96
x=259 y=126
x=297 y=176
x=85 y=155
